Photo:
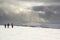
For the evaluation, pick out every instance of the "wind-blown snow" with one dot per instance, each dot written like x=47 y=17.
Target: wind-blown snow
x=29 y=33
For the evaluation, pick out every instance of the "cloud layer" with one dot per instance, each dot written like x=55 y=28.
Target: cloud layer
x=23 y=11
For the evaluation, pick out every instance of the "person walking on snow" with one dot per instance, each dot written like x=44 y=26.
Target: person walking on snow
x=12 y=25
x=5 y=25
x=8 y=25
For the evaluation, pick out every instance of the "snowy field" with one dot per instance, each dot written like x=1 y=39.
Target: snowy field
x=29 y=33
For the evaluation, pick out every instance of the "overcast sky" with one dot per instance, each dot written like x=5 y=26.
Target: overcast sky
x=29 y=11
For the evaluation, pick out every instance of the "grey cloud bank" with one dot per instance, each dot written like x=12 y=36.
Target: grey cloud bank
x=55 y=1
x=18 y=12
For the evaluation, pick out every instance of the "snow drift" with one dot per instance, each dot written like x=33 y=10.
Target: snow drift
x=29 y=33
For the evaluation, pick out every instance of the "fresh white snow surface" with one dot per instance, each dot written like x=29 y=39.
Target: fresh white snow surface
x=29 y=33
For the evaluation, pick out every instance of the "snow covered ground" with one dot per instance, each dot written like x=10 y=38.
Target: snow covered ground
x=29 y=33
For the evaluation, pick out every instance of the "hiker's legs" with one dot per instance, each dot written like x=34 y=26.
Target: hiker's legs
x=5 y=26
x=12 y=26
x=8 y=26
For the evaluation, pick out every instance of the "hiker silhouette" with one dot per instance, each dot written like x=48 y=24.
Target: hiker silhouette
x=5 y=25
x=8 y=25
x=12 y=25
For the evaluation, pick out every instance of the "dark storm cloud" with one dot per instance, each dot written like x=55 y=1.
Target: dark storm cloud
x=50 y=1
x=43 y=8
x=38 y=8
x=52 y=13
